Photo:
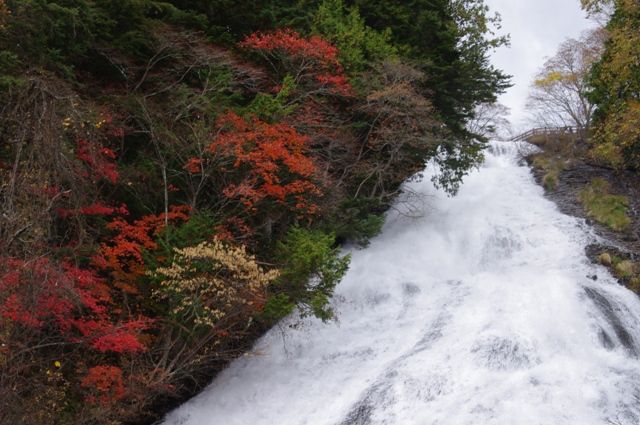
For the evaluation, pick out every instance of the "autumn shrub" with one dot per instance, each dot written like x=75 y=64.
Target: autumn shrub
x=402 y=132
x=105 y=384
x=205 y=300
x=62 y=164
x=122 y=256
x=212 y=285
x=59 y=321
x=62 y=299
x=311 y=267
x=617 y=138
x=266 y=172
x=313 y=61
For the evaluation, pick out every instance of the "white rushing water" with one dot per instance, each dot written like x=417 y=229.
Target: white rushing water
x=479 y=311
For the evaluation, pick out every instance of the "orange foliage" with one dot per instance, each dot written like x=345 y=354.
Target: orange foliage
x=122 y=256
x=270 y=162
x=105 y=384
x=300 y=55
x=293 y=44
x=232 y=229
x=194 y=165
x=336 y=83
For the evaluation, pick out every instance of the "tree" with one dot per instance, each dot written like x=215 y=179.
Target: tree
x=490 y=120
x=263 y=170
x=312 y=61
x=403 y=131
x=559 y=95
x=359 y=45
x=599 y=10
x=615 y=89
x=451 y=41
x=311 y=268
x=291 y=138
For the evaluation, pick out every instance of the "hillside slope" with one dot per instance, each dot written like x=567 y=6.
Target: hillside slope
x=172 y=184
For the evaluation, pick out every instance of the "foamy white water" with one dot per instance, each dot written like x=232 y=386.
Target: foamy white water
x=477 y=312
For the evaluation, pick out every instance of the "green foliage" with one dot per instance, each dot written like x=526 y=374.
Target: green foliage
x=610 y=210
x=49 y=33
x=360 y=46
x=551 y=167
x=550 y=181
x=9 y=63
x=230 y=20
x=272 y=108
x=624 y=268
x=182 y=17
x=452 y=41
x=277 y=307
x=311 y=269
x=456 y=155
x=63 y=35
x=198 y=229
x=194 y=231
x=221 y=79
x=357 y=220
x=627 y=270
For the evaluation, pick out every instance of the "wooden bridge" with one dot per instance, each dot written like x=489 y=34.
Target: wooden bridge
x=548 y=131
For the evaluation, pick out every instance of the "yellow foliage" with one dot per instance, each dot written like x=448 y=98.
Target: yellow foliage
x=549 y=79
x=211 y=282
x=617 y=131
x=617 y=135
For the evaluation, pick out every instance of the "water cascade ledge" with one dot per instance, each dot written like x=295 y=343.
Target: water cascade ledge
x=477 y=311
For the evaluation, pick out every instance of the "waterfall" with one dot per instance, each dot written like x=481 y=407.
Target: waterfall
x=478 y=309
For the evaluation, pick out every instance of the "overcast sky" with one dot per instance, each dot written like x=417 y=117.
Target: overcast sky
x=537 y=27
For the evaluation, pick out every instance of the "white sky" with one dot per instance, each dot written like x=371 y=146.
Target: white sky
x=537 y=27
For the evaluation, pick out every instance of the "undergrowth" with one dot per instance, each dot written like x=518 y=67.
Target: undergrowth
x=605 y=207
x=552 y=167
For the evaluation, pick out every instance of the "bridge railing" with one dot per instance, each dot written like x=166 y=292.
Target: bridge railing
x=547 y=131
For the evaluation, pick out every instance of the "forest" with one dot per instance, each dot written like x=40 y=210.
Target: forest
x=176 y=176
